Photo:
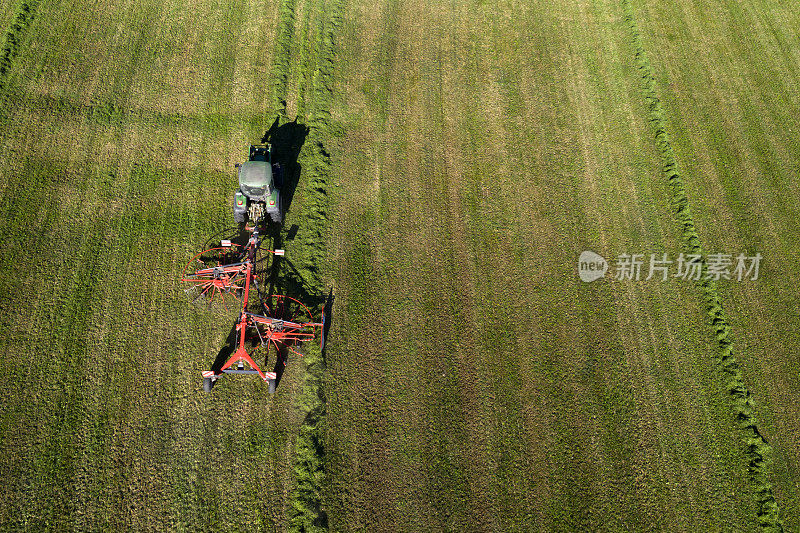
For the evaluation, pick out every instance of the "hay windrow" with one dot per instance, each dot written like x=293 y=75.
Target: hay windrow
x=757 y=449
x=14 y=37
x=306 y=510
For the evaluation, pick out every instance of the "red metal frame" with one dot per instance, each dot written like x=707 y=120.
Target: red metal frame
x=272 y=331
x=216 y=281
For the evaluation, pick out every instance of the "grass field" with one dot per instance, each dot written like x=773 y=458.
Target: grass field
x=738 y=142
x=458 y=159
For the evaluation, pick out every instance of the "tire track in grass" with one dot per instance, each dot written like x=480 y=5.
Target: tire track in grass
x=757 y=449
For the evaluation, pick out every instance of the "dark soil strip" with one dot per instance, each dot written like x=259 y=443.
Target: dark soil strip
x=756 y=448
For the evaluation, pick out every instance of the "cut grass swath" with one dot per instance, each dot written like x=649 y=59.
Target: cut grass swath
x=756 y=447
x=14 y=37
x=281 y=62
x=314 y=98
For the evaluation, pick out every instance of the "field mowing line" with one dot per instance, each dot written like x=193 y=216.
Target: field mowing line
x=756 y=447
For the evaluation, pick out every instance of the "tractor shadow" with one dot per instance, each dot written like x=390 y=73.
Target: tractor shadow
x=287 y=140
x=237 y=235
x=280 y=276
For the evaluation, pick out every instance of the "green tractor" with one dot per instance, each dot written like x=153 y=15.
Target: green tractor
x=260 y=181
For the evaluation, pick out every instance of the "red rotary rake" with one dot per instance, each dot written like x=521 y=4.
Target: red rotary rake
x=223 y=277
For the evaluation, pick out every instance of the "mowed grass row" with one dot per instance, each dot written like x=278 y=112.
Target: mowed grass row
x=8 y=11
x=15 y=19
x=728 y=77
x=304 y=69
x=475 y=382
x=105 y=197
x=743 y=409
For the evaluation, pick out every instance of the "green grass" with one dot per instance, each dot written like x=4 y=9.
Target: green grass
x=103 y=406
x=758 y=451
x=312 y=99
x=501 y=393
x=15 y=35
x=459 y=157
x=735 y=146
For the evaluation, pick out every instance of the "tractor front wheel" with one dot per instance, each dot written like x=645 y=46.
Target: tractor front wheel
x=208 y=384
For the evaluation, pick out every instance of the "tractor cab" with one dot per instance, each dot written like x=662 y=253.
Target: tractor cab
x=255 y=180
x=259 y=182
